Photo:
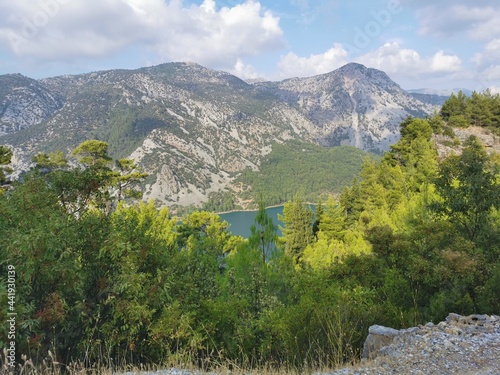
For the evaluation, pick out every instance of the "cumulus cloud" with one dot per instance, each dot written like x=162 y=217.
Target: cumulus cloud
x=221 y=37
x=391 y=58
x=442 y=63
x=402 y=63
x=244 y=71
x=169 y=30
x=292 y=65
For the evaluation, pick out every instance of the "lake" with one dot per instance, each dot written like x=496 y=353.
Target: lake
x=241 y=221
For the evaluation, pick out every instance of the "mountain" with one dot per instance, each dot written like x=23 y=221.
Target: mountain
x=431 y=99
x=443 y=92
x=25 y=102
x=193 y=129
x=435 y=97
x=353 y=105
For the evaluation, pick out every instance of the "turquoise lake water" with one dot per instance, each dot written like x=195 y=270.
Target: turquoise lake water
x=241 y=221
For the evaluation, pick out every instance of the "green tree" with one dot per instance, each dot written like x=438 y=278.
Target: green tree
x=436 y=122
x=50 y=161
x=414 y=153
x=89 y=187
x=469 y=188
x=92 y=153
x=332 y=223
x=479 y=109
x=297 y=231
x=263 y=232
x=134 y=280
x=129 y=174
x=41 y=241
x=317 y=217
x=455 y=105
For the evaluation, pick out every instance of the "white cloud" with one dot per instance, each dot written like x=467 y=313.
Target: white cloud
x=491 y=74
x=67 y=30
x=391 y=58
x=490 y=54
x=292 y=65
x=401 y=63
x=441 y=63
x=244 y=71
x=495 y=89
x=480 y=21
x=486 y=78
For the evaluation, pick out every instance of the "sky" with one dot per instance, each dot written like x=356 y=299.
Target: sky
x=419 y=43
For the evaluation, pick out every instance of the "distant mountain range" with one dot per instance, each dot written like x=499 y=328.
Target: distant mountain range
x=446 y=92
x=195 y=129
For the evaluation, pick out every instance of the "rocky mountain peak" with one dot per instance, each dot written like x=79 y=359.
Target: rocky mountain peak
x=189 y=72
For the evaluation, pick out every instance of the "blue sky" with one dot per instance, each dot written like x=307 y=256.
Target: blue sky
x=419 y=43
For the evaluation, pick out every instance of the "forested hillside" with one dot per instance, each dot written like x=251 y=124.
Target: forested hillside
x=104 y=282
x=298 y=167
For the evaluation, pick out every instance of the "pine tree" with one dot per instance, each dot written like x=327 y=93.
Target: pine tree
x=128 y=174
x=263 y=232
x=479 y=109
x=469 y=188
x=454 y=106
x=333 y=220
x=297 y=231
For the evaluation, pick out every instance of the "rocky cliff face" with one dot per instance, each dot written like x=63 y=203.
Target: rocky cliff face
x=194 y=129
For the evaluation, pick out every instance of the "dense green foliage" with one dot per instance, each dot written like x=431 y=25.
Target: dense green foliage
x=298 y=167
x=480 y=109
x=220 y=201
x=410 y=241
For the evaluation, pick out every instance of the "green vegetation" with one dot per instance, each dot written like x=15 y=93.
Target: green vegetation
x=263 y=233
x=5 y=157
x=480 y=109
x=411 y=240
x=221 y=201
x=298 y=167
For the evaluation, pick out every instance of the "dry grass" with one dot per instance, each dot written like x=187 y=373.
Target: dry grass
x=50 y=366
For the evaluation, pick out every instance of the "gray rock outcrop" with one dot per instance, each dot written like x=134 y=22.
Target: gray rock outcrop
x=378 y=337
x=459 y=345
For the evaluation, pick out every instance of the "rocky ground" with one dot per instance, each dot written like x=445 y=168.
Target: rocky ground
x=460 y=345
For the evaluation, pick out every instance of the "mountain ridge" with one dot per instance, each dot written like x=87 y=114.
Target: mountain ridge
x=194 y=129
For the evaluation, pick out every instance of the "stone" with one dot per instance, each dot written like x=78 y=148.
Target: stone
x=378 y=337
